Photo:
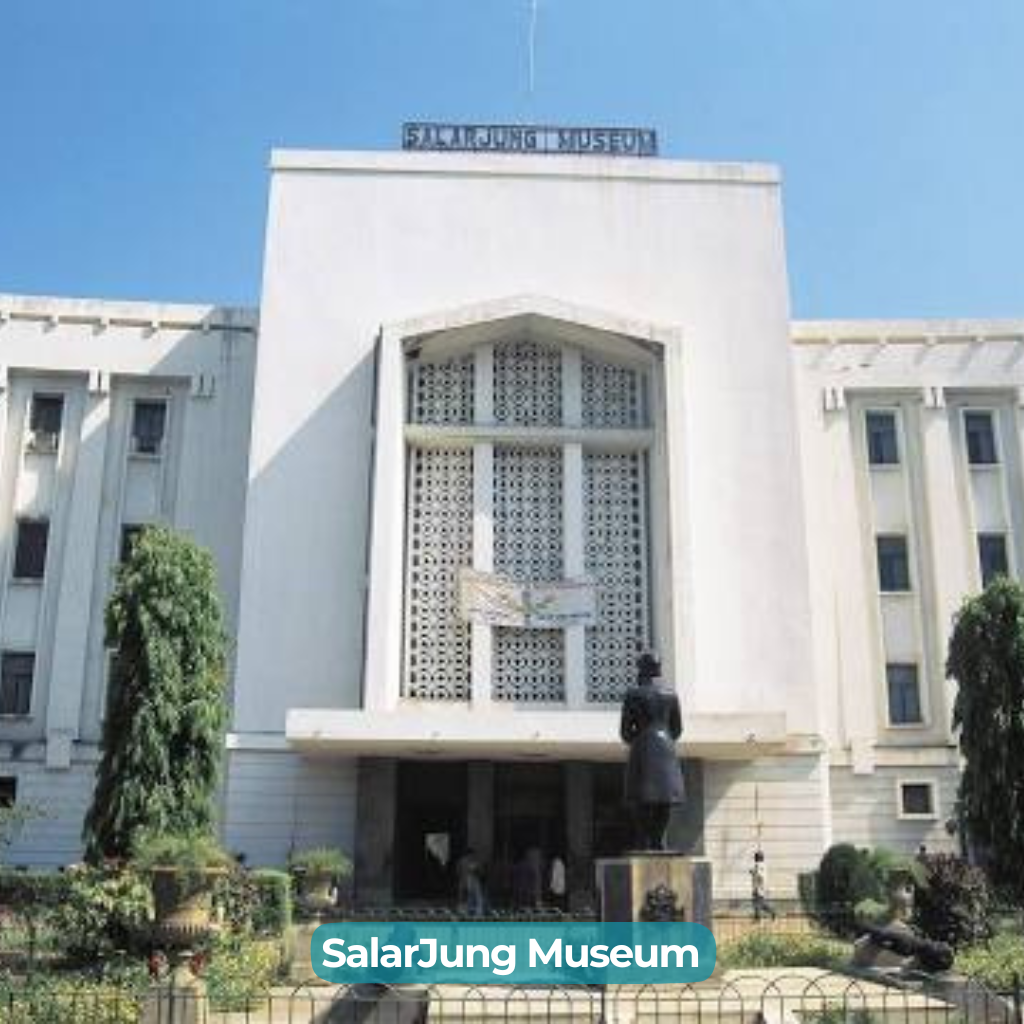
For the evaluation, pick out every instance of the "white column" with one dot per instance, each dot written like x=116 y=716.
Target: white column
x=573 y=524
x=71 y=617
x=858 y=654
x=382 y=678
x=483 y=522
x=951 y=548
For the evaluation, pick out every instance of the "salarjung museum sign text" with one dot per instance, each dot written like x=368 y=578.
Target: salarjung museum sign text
x=503 y=138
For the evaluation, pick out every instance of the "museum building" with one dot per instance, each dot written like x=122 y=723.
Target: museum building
x=501 y=423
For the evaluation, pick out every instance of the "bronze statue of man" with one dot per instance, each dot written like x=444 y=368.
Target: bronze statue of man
x=651 y=723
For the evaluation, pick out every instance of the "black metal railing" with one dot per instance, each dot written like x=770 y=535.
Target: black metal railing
x=800 y=996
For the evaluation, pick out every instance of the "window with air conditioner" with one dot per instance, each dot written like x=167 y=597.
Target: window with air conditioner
x=45 y=420
x=149 y=425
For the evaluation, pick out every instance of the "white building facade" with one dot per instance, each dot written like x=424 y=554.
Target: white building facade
x=510 y=421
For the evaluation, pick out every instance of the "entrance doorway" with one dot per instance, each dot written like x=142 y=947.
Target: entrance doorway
x=430 y=830
x=529 y=831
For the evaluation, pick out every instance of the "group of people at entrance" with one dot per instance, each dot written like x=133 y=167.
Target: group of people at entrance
x=537 y=881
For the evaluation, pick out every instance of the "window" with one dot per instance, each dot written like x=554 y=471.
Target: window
x=16 y=671
x=883 y=445
x=129 y=533
x=893 y=563
x=30 y=549
x=979 y=430
x=992 y=557
x=904 y=694
x=45 y=422
x=8 y=790
x=917 y=799
x=149 y=419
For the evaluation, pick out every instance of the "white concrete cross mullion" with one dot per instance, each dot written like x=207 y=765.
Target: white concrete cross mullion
x=481 y=671
x=573 y=523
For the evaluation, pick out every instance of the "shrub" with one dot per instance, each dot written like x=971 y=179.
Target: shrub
x=241 y=972
x=995 y=963
x=845 y=878
x=272 y=914
x=764 y=949
x=321 y=860
x=839 y=1013
x=955 y=903
x=102 y=910
x=59 y=1000
x=259 y=901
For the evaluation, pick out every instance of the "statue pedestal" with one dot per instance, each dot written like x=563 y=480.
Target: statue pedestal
x=639 y=886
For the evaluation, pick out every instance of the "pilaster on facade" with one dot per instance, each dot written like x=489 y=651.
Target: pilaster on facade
x=74 y=612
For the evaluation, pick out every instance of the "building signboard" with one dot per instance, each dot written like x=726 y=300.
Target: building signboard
x=545 y=139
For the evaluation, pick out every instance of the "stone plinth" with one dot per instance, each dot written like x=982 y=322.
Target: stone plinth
x=623 y=885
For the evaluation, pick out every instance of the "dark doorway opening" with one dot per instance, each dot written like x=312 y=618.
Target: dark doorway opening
x=430 y=830
x=529 y=831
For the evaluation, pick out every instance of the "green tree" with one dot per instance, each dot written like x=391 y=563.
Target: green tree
x=163 y=735
x=986 y=658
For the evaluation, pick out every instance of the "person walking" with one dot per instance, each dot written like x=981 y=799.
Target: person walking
x=759 y=889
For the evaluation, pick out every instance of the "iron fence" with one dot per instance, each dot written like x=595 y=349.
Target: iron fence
x=797 y=996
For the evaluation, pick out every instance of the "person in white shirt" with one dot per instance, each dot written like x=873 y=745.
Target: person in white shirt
x=759 y=889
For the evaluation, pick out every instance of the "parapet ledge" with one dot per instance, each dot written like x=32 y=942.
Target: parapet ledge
x=905 y=332
x=102 y=313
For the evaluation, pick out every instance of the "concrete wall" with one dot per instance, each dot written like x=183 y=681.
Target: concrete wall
x=356 y=241
x=277 y=802
x=780 y=803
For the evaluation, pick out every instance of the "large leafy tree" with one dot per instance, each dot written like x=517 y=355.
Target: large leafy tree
x=163 y=735
x=986 y=658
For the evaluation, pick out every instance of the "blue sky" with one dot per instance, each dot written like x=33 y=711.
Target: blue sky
x=134 y=134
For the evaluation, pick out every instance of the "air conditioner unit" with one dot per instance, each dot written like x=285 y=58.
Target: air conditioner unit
x=43 y=441
x=147 y=445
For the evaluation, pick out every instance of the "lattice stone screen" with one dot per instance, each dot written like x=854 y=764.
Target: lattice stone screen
x=615 y=498
x=439 y=540
x=527 y=384
x=526 y=507
x=612 y=395
x=442 y=392
x=529 y=664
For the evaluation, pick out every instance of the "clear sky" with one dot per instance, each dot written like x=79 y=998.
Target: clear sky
x=134 y=134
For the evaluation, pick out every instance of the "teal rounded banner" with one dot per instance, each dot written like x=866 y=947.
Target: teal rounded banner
x=513 y=953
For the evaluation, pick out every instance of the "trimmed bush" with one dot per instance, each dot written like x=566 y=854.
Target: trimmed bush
x=272 y=913
x=257 y=901
x=955 y=903
x=764 y=949
x=845 y=879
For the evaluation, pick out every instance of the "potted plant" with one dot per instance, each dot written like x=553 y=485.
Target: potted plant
x=183 y=869
x=317 y=870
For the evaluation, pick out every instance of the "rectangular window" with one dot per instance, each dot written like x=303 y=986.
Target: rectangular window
x=904 y=694
x=980 y=433
x=992 y=557
x=8 y=790
x=149 y=419
x=30 y=549
x=129 y=533
x=16 y=671
x=917 y=800
x=45 y=419
x=893 y=563
x=883 y=444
